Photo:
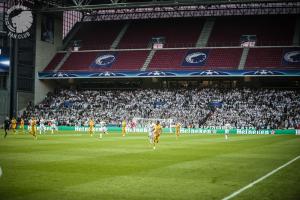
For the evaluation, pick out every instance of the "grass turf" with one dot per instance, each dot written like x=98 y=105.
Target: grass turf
x=78 y=166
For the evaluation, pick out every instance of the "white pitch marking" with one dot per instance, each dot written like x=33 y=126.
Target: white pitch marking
x=260 y=179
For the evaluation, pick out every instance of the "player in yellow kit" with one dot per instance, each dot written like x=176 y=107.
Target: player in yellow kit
x=177 y=130
x=14 y=125
x=22 y=125
x=33 y=127
x=91 y=127
x=157 y=133
x=123 y=128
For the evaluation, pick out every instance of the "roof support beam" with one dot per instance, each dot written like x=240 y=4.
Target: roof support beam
x=193 y=11
x=178 y=3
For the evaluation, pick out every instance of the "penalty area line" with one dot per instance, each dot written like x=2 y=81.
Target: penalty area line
x=260 y=179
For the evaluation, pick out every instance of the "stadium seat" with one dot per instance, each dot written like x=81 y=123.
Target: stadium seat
x=98 y=35
x=54 y=62
x=125 y=61
x=270 y=31
x=177 y=33
x=222 y=58
x=270 y=58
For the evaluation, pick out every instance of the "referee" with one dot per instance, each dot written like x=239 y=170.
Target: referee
x=6 y=126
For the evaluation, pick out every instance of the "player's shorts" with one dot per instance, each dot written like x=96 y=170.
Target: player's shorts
x=226 y=131
x=177 y=132
x=156 y=137
x=21 y=126
x=14 y=126
x=33 y=129
x=103 y=129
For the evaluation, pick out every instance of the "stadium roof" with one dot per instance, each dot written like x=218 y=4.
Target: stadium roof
x=98 y=10
x=147 y=2
x=82 y=5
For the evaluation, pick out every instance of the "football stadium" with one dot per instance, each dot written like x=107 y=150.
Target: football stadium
x=150 y=99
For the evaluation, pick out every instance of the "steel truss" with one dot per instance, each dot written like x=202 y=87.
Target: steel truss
x=194 y=11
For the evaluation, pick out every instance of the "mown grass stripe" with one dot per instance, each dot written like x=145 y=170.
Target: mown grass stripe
x=260 y=179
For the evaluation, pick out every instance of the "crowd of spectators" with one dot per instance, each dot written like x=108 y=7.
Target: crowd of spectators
x=203 y=107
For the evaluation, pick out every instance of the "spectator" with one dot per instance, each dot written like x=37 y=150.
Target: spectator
x=242 y=108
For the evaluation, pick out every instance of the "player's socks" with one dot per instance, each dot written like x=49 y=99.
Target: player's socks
x=226 y=137
x=100 y=135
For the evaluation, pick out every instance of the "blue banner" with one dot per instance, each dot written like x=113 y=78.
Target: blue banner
x=195 y=58
x=104 y=60
x=178 y=73
x=291 y=57
x=216 y=104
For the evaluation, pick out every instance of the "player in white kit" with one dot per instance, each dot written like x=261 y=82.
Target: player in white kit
x=151 y=132
x=102 y=129
x=53 y=126
x=42 y=126
x=227 y=128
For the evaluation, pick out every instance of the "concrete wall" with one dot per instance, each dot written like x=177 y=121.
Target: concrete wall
x=4 y=105
x=23 y=98
x=44 y=53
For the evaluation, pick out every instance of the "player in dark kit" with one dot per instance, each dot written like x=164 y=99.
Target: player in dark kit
x=6 y=126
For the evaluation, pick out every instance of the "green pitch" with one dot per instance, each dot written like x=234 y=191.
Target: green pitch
x=77 y=166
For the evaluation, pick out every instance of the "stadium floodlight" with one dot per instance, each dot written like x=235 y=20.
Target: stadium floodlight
x=5 y=62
